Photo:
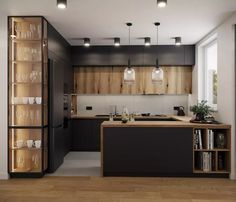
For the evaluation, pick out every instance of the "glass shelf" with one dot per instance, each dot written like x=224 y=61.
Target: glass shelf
x=27 y=83
x=25 y=61
x=37 y=105
x=25 y=40
x=26 y=148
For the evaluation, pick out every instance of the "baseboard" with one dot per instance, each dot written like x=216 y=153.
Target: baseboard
x=4 y=176
x=232 y=176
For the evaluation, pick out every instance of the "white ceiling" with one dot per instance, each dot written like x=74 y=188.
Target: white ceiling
x=101 y=20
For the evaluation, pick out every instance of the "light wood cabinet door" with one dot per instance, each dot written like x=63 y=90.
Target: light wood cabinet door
x=110 y=80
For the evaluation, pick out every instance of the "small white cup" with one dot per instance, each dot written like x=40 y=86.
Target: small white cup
x=25 y=100
x=19 y=143
x=37 y=143
x=31 y=100
x=29 y=143
x=38 y=100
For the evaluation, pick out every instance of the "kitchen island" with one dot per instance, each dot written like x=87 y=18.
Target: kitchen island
x=161 y=148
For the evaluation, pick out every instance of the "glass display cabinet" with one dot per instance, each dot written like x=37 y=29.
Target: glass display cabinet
x=27 y=96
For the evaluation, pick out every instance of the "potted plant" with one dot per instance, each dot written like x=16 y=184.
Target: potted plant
x=201 y=110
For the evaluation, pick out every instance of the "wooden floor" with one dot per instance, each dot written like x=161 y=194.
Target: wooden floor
x=93 y=189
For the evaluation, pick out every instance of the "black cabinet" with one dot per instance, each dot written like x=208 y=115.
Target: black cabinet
x=139 y=55
x=86 y=134
x=147 y=151
x=189 y=55
x=67 y=133
x=167 y=55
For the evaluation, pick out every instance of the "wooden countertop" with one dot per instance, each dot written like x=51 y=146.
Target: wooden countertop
x=184 y=118
x=162 y=124
x=181 y=121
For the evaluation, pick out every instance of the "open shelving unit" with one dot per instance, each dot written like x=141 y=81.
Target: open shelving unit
x=211 y=150
x=27 y=96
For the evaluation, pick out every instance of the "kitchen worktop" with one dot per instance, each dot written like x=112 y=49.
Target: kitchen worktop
x=177 y=123
x=180 y=118
x=157 y=148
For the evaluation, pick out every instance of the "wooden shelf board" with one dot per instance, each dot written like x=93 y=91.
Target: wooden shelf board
x=211 y=172
x=26 y=148
x=209 y=150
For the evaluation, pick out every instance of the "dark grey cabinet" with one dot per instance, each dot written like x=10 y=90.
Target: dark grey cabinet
x=67 y=133
x=149 y=151
x=139 y=55
x=86 y=134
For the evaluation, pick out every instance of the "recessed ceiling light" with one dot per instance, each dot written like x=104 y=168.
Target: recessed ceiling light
x=116 y=41
x=147 y=41
x=178 y=41
x=86 y=42
x=161 y=3
x=62 y=4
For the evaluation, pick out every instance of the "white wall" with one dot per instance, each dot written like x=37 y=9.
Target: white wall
x=226 y=78
x=155 y=104
x=3 y=99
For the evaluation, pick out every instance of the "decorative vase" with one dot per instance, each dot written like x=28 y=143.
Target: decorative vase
x=220 y=141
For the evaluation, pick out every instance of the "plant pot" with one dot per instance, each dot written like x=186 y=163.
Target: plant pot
x=199 y=117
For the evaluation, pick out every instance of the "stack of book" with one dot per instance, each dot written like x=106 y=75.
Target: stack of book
x=205 y=161
x=197 y=139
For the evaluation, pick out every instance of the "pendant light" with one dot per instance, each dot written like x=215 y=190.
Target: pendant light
x=129 y=73
x=157 y=72
x=116 y=41
x=62 y=4
x=161 y=3
x=178 y=41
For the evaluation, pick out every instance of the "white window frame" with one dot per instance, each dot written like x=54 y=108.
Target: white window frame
x=205 y=73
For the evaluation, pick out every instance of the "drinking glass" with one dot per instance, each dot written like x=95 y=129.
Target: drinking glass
x=18 y=31
x=35 y=160
x=38 y=116
x=31 y=115
x=18 y=77
x=220 y=141
x=20 y=162
x=110 y=117
x=32 y=29
x=39 y=31
x=33 y=76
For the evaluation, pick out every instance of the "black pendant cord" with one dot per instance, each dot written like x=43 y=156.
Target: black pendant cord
x=157 y=62
x=129 y=25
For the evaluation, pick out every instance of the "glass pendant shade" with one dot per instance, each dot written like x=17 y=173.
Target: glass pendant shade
x=157 y=75
x=129 y=74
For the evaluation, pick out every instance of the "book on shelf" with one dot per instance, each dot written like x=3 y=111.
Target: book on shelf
x=205 y=161
x=195 y=140
x=210 y=139
x=199 y=132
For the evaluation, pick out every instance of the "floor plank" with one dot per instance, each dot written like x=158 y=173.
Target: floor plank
x=86 y=189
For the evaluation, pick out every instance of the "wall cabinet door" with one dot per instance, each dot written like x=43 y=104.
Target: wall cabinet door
x=109 y=80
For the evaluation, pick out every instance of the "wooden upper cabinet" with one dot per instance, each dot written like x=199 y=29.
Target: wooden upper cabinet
x=110 y=80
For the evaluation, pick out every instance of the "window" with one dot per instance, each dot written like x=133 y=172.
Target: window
x=210 y=74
